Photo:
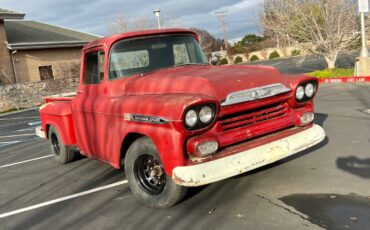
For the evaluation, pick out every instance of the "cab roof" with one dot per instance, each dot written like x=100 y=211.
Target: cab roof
x=108 y=41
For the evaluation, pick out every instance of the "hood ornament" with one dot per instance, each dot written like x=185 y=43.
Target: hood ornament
x=255 y=94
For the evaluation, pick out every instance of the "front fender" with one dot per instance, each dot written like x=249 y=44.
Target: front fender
x=169 y=137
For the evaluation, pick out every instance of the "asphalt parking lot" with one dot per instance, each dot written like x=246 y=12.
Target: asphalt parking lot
x=311 y=63
x=326 y=186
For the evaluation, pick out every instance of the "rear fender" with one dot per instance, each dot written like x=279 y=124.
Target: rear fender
x=59 y=114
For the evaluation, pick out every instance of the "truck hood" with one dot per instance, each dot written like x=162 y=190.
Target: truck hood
x=213 y=81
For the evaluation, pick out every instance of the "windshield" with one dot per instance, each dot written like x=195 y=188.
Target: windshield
x=137 y=56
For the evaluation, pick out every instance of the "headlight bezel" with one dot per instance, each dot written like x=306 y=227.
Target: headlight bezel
x=306 y=98
x=200 y=124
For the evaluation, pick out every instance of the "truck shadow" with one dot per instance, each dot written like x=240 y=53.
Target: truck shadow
x=320 y=118
x=355 y=166
x=332 y=211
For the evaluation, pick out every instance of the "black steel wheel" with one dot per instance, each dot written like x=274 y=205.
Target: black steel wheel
x=150 y=174
x=55 y=143
x=147 y=177
x=60 y=151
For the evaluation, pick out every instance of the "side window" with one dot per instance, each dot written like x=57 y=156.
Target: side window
x=180 y=54
x=94 y=67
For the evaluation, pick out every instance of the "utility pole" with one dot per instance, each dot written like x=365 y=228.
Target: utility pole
x=363 y=6
x=157 y=14
x=363 y=62
x=222 y=15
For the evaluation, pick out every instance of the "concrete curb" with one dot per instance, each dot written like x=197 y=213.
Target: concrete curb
x=344 y=80
x=20 y=111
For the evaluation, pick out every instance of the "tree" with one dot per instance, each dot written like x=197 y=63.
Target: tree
x=122 y=24
x=207 y=41
x=251 y=39
x=323 y=27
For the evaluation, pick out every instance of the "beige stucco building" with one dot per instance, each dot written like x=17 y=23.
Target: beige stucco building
x=34 y=51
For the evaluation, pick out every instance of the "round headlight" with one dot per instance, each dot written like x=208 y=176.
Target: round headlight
x=191 y=118
x=309 y=90
x=206 y=114
x=299 y=93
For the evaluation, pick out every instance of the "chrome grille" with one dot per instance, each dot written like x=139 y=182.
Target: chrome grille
x=253 y=116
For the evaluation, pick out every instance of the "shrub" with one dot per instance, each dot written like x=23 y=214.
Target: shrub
x=224 y=61
x=254 y=58
x=295 y=52
x=238 y=59
x=274 y=55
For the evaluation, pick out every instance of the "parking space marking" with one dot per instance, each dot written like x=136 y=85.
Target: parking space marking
x=19 y=135
x=62 y=199
x=6 y=143
x=34 y=123
x=22 y=162
x=16 y=123
x=17 y=118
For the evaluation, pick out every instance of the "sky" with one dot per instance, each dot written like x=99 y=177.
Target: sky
x=93 y=16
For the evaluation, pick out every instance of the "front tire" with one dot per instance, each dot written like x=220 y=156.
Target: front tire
x=60 y=151
x=146 y=176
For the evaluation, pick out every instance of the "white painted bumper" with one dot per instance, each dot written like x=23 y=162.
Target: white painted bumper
x=216 y=170
x=39 y=132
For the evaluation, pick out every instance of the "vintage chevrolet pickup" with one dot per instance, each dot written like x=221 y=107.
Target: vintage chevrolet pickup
x=151 y=103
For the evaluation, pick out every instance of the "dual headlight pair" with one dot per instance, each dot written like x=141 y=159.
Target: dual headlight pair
x=305 y=91
x=200 y=116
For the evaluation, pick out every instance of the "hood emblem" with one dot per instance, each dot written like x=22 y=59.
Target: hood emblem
x=255 y=94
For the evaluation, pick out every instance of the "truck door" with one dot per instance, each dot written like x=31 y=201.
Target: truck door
x=89 y=104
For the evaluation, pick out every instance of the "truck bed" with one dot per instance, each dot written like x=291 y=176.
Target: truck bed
x=59 y=97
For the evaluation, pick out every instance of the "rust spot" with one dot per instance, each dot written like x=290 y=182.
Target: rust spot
x=204 y=176
x=177 y=179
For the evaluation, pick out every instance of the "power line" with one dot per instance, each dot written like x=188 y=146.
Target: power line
x=222 y=15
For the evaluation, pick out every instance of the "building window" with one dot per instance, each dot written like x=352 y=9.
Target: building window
x=46 y=73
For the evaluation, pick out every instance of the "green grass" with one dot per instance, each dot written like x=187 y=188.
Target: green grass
x=332 y=73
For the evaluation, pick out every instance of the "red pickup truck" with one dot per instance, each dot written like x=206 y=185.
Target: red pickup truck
x=150 y=102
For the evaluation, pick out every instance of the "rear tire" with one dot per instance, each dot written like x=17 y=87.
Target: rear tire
x=146 y=176
x=60 y=151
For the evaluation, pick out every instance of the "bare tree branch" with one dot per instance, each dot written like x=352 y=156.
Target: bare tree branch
x=323 y=27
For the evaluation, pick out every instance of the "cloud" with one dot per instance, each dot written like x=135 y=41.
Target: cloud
x=93 y=15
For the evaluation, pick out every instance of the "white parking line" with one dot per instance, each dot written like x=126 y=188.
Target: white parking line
x=275 y=64
x=22 y=162
x=62 y=199
x=17 y=118
x=34 y=123
x=19 y=135
x=16 y=123
x=6 y=143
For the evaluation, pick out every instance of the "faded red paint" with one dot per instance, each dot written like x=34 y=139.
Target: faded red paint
x=94 y=120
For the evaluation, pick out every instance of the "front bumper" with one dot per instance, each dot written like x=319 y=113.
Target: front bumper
x=219 y=169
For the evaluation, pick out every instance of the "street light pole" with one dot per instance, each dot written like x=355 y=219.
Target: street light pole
x=157 y=14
